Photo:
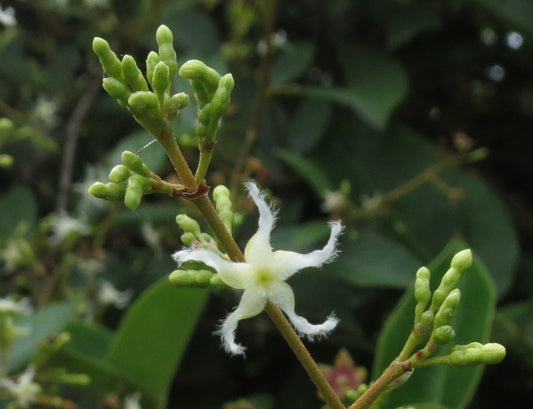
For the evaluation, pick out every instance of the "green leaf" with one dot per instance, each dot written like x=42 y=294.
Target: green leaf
x=313 y=174
x=291 y=63
x=301 y=237
x=376 y=85
x=372 y=260
x=308 y=124
x=19 y=203
x=445 y=385
x=154 y=334
x=51 y=320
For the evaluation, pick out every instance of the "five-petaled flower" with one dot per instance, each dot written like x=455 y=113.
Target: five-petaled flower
x=262 y=276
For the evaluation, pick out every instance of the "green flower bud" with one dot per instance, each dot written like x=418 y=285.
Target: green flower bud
x=165 y=40
x=160 y=79
x=188 y=238
x=147 y=111
x=108 y=59
x=117 y=90
x=119 y=173
x=134 y=194
x=443 y=335
x=197 y=70
x=172 y=104
x=49 y=346
x=217 y=282
x=424 y=326
x=191 y=278
x=188 y=225
x=108 y=191
x=221 y=99
x=144 y=182
x=151 y=61
x=133 y=74
x=447 y=309
x=462 y=260
x=134 y=163
x=201 y=93
x=422 y=291
x=221 y=196
x=476 y=353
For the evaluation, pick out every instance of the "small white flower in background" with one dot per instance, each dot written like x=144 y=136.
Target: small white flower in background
x=9 y=306
x=63 y=226
x=333 y=201
x=151 y=236
x=107 y=294
x=263 y=275
x=45 y=112
x=7 y=17
x=24 y=391
x=132 y=401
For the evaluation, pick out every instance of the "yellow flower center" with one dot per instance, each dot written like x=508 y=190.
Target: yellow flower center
x=264 y=276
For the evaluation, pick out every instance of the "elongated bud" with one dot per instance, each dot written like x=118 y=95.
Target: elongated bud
x=188 y=225
x=217 y=282
x=119 y=173
x=117 y=90
x=172 y=104
x=151 y=61
x=133 y=74
x=191 y=278
x=422 y=291
x=108 y=191
x=424 y=326
x=221 y=99
x=198 y=71
x=462 y=260
x=161 y=79
x=443 y=335
x=147 y=111
x=221 y=196
x=165 y=40
x=134 y=193
x=447 y=309
x=188 y=238
x=134 y=163
x=109 y=60
x=476 y=353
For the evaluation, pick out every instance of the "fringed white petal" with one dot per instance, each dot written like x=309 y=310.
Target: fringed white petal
x=252 y=302
x=286 y=263
x=236 y=275
x=282 y=295
x=258 y=247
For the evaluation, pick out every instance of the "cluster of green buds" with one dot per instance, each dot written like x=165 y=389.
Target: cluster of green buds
x=9 y=331
x=130 y=181
x=433 y=323
x=126 y=83
x=195 y=274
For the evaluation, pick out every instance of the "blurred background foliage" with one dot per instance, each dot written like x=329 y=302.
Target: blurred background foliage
x=408 y=119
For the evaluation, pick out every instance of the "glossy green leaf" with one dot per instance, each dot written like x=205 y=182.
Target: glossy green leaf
x=376 y=85
x=292 y=62
x=51 y=320
x=313 y=174
x=307 y=124
x=372 y=260
x=154 y=334
x=445 y=385
x=19 y=203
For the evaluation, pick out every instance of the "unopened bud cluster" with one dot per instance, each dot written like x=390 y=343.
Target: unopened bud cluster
x=434 y=314
x=126 y=83
x=130 y=181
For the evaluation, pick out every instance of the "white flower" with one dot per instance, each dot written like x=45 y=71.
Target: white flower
x=63 y=226
x=24 y=391
x=110 y=295
x=8 y=306
x=132 y=401
x=263 y=275
x=7 y=17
